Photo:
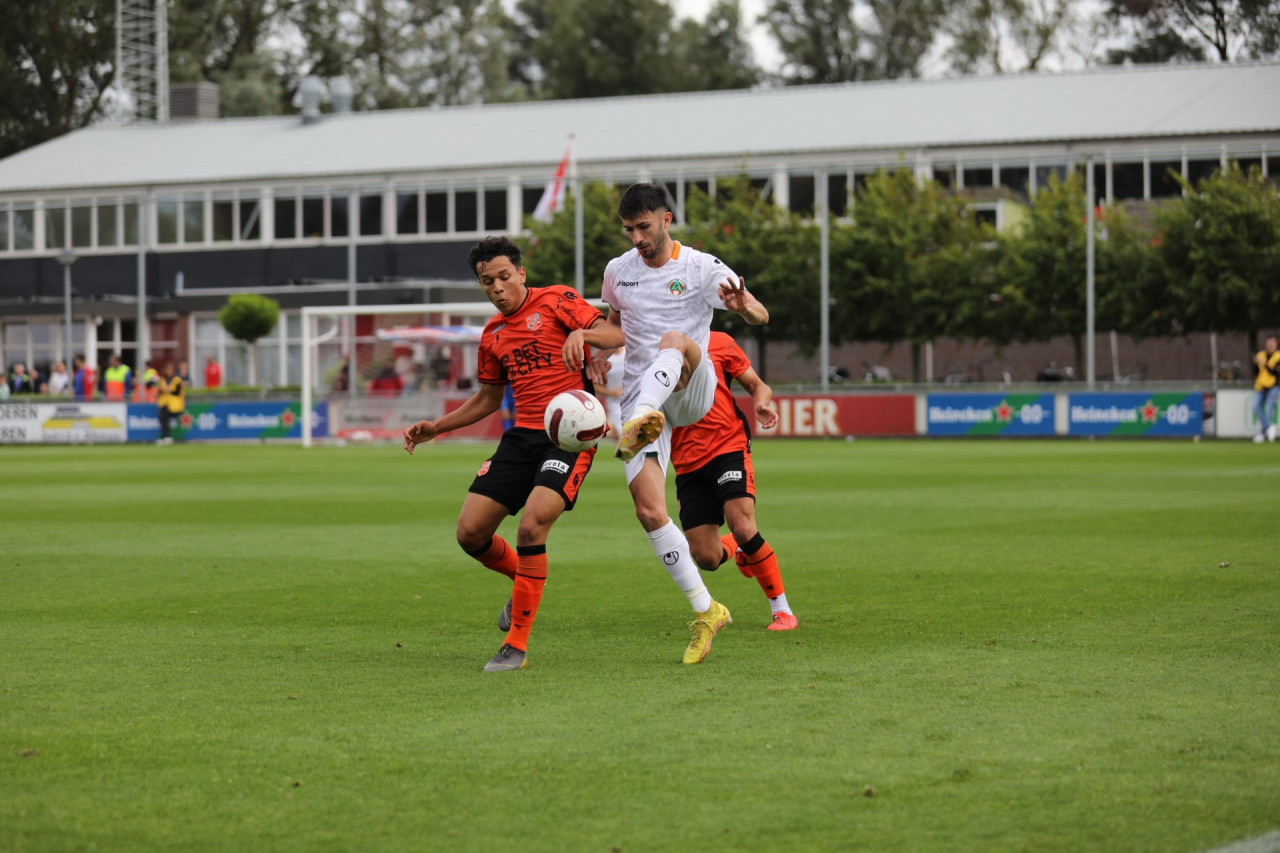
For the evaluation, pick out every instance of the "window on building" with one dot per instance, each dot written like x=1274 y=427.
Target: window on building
x=838 y=194
x=167 y=219
x=1273 y=167
x=1126 y=181
x=313 y=214
x=1016 y=178
x=109 y=223
x=5 y=242
x=1202 y=169
x=1046 y=174
x=978 y=176
x=224 y=217
x=860 y=181
x=702 y=186
x=1163 y=182
x=945 y=174
x=55 y=226
x=495 y=210
x=801 y=194
x=407 y=220
x=24 y=227
x=465 y=211
x=250 y=223
x=193 y=220
x=437 y=212
x=286 y=216
x=985 y=216
x=1248 y=164
x=371 y=213
x=1099 y=181
x=82 y=225
x=529 y=198
x=129 y=219
x=339 y=214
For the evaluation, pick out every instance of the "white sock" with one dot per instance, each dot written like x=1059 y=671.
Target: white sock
x=660 y=379
x=779 y=604
x=673 y=550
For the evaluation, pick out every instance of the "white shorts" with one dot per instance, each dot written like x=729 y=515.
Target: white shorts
x=686 y=406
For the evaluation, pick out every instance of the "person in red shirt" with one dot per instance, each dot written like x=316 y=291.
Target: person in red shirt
x=530 y=344
x=212 y=373
x=716 y=482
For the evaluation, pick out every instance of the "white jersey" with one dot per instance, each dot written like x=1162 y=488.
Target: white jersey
x=679 y=296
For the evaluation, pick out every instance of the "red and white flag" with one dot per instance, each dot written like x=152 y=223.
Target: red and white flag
x=553 y=196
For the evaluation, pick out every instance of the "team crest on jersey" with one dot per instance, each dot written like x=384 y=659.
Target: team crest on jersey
x=677 y=287
x=535 y=322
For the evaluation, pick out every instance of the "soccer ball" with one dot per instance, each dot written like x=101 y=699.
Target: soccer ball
x=575 y=421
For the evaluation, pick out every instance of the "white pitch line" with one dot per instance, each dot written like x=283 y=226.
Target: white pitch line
x=1269 y=843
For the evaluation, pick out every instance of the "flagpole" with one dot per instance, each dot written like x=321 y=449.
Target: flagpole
x=577 y=216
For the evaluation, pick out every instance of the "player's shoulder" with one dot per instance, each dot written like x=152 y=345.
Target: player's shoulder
x=622 y=261
x=698 y=258
x=495 y=324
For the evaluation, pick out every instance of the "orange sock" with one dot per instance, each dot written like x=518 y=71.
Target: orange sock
x=730 y=546
x=763 y=566
x=497 y=556
x=531 y=577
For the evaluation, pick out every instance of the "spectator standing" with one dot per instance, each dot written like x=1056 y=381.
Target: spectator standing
x=171 y=401
x=117 y=379
x=59 y=381
x=83 y=382
x=21 y=382
x=184 y=372
x=212 y=373
x=1266 y=388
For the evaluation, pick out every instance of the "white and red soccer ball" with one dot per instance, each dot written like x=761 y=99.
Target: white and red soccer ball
x=575 y=421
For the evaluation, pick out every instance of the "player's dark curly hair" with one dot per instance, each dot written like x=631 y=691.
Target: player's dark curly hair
x=642 y=198
x=490 y=248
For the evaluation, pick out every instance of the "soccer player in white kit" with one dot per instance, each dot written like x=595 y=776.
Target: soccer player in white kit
x=662 y=294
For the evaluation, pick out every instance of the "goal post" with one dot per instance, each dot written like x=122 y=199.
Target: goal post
x=383 y=367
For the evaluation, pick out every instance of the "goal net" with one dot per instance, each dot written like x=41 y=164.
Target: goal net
x=380 y=368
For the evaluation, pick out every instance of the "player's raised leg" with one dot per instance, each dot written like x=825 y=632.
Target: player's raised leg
x=678 y=356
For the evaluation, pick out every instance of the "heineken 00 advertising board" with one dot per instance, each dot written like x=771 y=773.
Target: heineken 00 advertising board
x=1179 y=413
x=989 y=414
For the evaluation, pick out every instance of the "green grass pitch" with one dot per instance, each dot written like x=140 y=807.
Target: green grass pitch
x=1003 y=646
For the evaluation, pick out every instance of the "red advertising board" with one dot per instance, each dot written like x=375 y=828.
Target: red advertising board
x=838 y=415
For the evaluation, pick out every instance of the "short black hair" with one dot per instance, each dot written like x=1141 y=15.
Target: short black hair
x=490 y=248
x=642 y=198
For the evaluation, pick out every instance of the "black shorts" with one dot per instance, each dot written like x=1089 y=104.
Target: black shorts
x=526 y=458
x=703 y=493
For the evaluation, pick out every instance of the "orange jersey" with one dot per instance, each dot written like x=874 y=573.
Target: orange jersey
x=523 y=349
x=724 y=429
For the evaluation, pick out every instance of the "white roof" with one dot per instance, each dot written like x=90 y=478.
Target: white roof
x=1158 y=102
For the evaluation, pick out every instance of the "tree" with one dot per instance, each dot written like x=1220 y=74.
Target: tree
x=549 y=258
x=715 y=54
x=820 y=40
x=55 y=67
x=912 y=267
x=1042 y=266
x=772 y=249
x=248 y=317
x=905 y=31
x=1184 y=29
x=1000 y=36
x=1219 y=254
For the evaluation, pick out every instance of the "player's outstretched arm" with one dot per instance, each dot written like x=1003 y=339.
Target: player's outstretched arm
x=418 y=433
x=486 y=401
x=739 y=301
x=761 y=398
x=611 y=338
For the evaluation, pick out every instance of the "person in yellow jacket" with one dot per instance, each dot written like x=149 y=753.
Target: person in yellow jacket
x=1267 y=388
x=171 y=401
x=149 y=387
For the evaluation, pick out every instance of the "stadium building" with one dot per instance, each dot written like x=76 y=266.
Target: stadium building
x=149 y=227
